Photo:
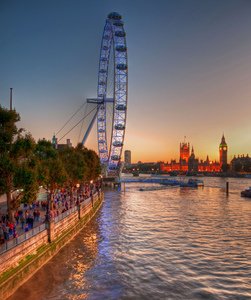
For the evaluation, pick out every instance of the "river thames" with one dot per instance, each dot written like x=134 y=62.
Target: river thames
x=175 y=243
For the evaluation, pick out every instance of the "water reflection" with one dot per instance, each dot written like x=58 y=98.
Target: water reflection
x=166 y=244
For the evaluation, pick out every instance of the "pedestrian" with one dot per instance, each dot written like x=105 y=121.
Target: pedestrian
x=31 y=222
x=22 y=220
x=11 y=227
x=1 y=234
x=16 y=217
x=26 y=228
x=26 y=215
x=15 y=234
x=38 y=215
x=6 y=233
x=28 y=221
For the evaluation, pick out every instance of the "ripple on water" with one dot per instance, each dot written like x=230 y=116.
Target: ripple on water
x=166 y=244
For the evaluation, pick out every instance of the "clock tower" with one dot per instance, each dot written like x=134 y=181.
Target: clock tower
x=223 y=151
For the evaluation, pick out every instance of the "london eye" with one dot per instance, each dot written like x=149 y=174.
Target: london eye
x=113 y=49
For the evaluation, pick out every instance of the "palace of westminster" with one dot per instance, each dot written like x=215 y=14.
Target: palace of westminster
x=189 y=163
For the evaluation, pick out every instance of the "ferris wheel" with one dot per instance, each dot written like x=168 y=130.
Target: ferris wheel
x=113 y=48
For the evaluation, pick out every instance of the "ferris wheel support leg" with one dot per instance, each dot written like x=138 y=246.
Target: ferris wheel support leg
x=90 y=126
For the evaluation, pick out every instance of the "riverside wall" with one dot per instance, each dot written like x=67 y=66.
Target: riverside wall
x=22 y=261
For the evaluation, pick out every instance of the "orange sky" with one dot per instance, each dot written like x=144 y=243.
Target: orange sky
x=189 y=66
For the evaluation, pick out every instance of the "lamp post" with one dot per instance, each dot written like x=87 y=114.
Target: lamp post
x=77 y=185
x=47 y=218
x=91 y=187
x=91 y=195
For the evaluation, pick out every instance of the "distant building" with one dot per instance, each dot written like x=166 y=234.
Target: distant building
x=57 y=146
x=128 y=159
x=190 y=163
x=243 y=160
x=184 y=151
x=193 y=163
x=223 y=151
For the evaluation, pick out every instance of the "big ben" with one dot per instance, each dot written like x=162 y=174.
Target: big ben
x=223 y=151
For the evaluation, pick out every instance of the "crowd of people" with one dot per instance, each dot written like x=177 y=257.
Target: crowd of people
x=24 y=219
x=28 y=216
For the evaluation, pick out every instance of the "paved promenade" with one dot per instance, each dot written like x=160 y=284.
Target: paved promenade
x=42 y=196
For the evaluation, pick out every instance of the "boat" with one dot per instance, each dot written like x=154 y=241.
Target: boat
x=193 y=183
x=156 y=188
x=246 y=193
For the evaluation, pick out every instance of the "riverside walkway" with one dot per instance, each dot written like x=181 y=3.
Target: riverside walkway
x=41 y=197
x=63 y=207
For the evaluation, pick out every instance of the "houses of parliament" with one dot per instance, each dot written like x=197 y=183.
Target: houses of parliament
x=188 y=162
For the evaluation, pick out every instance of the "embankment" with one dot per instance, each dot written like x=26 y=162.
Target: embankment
x=22 y=261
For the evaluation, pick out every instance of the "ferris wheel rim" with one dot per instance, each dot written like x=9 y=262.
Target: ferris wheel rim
x=113 y=34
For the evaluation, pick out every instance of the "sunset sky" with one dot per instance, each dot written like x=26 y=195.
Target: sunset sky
x=189 y=66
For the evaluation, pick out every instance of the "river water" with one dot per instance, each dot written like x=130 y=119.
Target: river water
x=175 y=243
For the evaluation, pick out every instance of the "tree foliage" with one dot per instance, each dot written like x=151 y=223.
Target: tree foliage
x=75 y=166
x=26 y=177
x=51 y=172
x=16 y=149
x=24 y=165
x=92 y=162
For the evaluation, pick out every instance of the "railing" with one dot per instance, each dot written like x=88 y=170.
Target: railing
x=85 y=201
x=27 y=235
x=65 y=214
x=21 y=238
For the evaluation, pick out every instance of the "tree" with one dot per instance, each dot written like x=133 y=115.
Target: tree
x=15 y=152
x=75 y=166
x=92 y=162
x=51 y=172
x=26 y=178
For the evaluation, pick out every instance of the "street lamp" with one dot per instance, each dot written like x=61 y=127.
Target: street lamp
x=91 y=187
x=77 y=185
x=47 y=216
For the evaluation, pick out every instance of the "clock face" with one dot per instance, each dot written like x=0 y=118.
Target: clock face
x=220 y=148
x=225 y=148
